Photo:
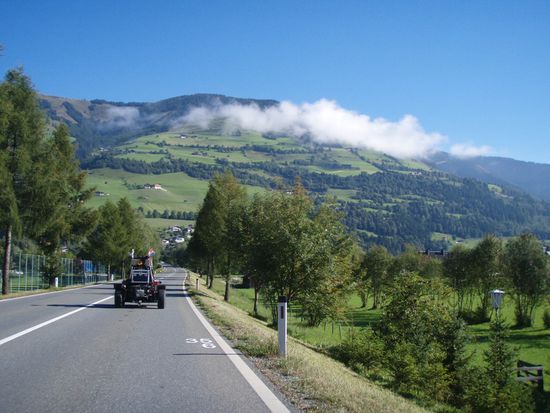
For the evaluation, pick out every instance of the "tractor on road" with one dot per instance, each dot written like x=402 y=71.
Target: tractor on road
x=141 y=286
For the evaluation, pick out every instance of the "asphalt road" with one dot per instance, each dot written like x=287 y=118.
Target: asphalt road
x=59 y=353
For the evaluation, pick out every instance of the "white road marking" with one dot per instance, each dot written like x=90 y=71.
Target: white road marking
x=45 y=323
x=267 y=396
x=204 y=342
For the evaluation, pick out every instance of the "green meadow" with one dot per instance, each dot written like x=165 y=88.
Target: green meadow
x=180 y=191
x=532 y=343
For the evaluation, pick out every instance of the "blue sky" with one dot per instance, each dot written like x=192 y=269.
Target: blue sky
x=477 y=72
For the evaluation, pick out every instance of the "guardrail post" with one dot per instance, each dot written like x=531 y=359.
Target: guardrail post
x=282 y=325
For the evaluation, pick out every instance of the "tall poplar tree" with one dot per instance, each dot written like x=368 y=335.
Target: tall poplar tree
x=204 y=248
x=216 y=238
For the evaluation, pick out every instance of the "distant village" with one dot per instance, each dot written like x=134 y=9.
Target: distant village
x=179 y=235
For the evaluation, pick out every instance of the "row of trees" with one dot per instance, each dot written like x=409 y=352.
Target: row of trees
x=520 y=266
x=166 y=214
x=43 y=192
x=287 y=245
x=120 y=229
x=280 y=240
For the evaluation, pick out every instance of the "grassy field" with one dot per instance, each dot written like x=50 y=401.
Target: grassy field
x=180 y=191
x=532 y=344
x=204 y=147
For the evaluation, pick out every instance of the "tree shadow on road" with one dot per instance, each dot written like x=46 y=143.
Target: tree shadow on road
x=81 y=305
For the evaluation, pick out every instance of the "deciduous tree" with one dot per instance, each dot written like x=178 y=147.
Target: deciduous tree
x=486 y=272
x=526 y=267
x=376 y=265
x=457 y=269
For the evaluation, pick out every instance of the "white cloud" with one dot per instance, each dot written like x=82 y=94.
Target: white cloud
x=326 y=122
x=122 y=116
x=466 y=150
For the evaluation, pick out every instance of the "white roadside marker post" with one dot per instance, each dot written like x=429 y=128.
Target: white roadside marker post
x=197 y=284
x=282 y=325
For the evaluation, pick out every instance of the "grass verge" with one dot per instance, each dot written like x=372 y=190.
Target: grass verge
x=310 y=380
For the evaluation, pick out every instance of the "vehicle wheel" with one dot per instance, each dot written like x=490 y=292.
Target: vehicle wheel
x=161 y=299
x=118 y=300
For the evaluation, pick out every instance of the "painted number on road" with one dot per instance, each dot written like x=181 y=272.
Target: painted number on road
x=204 y=342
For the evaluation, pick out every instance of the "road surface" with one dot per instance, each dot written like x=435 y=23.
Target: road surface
x=73 y=351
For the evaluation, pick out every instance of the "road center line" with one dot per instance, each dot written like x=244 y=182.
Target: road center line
x=45 y=323
x=68 y=290
x=267 y=396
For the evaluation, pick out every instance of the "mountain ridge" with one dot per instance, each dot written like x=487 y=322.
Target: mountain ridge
x=101 y=123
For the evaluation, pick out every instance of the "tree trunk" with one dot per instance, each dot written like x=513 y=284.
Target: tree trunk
x=227 y=279
x=6 y=266
x=255 y=300
x=363 y=299
x=226 y=294
x=210 y=274
x=376 y=299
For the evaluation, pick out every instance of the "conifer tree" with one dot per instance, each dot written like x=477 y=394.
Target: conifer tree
x=22 y=135
x=65 y=199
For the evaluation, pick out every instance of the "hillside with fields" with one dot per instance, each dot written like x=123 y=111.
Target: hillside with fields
x=384 y=200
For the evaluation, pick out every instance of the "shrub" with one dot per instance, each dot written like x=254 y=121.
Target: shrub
x=477 y=316
x=523 y=319
x=361 y=352
x=494 y=388
x=403 y=367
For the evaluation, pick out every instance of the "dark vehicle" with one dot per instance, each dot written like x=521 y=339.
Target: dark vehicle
x=141 y=286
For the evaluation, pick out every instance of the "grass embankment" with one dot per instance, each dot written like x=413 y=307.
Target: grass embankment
x=310 y=380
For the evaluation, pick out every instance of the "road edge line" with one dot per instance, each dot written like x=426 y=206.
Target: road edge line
x=268 y=397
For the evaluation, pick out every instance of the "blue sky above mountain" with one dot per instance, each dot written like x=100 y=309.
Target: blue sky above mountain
x=472 y=77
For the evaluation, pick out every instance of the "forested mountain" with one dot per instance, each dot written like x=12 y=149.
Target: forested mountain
x=383 y=199
x=533 y=178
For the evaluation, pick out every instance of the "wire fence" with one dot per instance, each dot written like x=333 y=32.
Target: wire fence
x=27 y=273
